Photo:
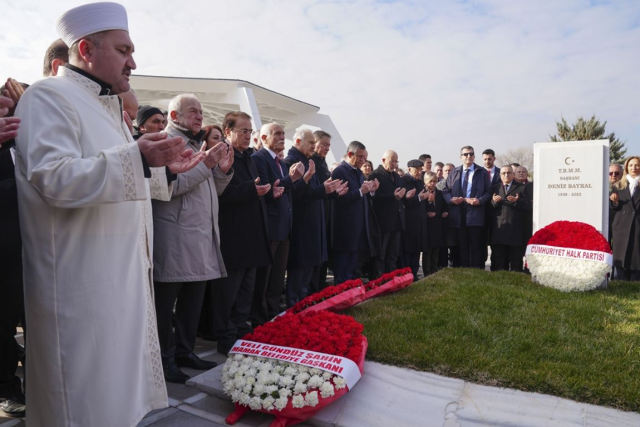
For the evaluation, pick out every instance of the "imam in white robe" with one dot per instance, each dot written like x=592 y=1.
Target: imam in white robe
x=85 y=217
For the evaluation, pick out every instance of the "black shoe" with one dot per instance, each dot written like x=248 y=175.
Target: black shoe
x=13 y=407
x=173 y=374
x=194 y=362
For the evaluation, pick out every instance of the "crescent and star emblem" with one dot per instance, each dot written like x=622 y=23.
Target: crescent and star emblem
x=568 y=161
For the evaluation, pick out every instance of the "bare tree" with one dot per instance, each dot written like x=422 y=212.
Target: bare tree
x=521 y=155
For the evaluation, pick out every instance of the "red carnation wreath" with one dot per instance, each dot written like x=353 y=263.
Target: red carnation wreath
x=389 y=283
x=294 y=366
x=332 y=298
x=569 y=256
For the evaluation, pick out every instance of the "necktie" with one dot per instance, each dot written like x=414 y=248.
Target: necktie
x=465 y=182
x=278 y=167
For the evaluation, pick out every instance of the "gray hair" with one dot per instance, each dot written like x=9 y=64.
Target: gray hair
x=300 y=134
x=176 y=103
x=266 y=129
x=355 y=146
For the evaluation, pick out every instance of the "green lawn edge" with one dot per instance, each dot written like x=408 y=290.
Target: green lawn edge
x=501 y=329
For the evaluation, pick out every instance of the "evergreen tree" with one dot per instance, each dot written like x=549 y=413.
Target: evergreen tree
x=592 y=129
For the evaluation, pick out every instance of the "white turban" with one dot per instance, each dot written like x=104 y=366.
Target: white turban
x=90 y=19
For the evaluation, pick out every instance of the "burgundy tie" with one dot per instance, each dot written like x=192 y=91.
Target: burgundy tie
x=278 y=166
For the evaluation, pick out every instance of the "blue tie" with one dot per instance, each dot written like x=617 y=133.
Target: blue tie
x=465 y=182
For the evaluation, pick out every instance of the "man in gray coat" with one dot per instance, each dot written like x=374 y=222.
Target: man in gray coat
x=187 y=243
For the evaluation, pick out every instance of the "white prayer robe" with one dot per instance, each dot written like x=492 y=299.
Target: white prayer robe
x=85 y=214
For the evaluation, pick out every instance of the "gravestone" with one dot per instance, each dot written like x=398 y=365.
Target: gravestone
x=571 y=183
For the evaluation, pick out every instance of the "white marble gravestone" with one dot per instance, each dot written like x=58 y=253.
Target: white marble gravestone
x=571 y=183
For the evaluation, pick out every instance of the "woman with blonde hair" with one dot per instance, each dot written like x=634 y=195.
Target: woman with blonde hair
x=625 y=201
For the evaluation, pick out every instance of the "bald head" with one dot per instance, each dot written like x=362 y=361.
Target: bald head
x=521 y=174
x=390 y=161
x=130 y=103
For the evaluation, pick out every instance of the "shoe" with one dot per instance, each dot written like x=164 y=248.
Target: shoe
x=13 y=407
x=194 y=362
x=173 y=374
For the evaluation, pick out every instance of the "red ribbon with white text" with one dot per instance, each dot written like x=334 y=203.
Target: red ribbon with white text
x=570 y=253
x=337 y=365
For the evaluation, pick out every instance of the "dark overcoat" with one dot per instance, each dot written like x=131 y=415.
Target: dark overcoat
x=242 y=218
x=308 y=235
x=508 y=219
x=626 y=230
x=351 y=213
x=435 y=229
x=412 y=236
x=389 y=210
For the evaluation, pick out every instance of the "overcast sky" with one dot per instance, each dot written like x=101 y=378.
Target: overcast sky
x=417 y=76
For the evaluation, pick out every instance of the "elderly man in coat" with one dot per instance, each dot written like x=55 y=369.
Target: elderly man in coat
x=308 y=235
x=270 y=279
x=508 y=213
x=351 y=227
x=187 y=244
x=243 y=236
x=467 y=190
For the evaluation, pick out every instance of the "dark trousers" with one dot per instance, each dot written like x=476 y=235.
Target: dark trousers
x=430 y=261
x=205 y=327
x=412 y=260
x=470 y=242
x=627 y=275
x=344 y=265
x=506 y=257
x=443 y=258
x=454 y=256
x=389 y=252
x=187 y=298
x=233 y=296
x=269 y=284
x=11 y=314
x=298 y=283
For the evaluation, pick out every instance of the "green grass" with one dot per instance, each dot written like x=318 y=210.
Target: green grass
x=501 y=329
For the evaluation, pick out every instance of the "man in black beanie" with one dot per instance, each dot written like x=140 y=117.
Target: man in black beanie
x=150 y=120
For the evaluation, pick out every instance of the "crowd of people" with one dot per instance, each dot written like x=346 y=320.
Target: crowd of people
x=129 y=230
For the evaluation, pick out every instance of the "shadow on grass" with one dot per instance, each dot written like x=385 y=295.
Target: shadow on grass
x=502 y=329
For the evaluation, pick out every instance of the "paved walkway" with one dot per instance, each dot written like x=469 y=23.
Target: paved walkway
x=386 y=396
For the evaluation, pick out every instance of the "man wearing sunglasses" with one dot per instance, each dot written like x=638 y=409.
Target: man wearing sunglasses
x=467 y=190
x=615 y=173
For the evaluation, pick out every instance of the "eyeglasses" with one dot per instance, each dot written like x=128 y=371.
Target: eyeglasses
x=614 y=173
x=506 y=173
x=243 y=131
x=469 y=154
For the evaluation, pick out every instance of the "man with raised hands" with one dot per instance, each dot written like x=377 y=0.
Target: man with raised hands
x=85 y=216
